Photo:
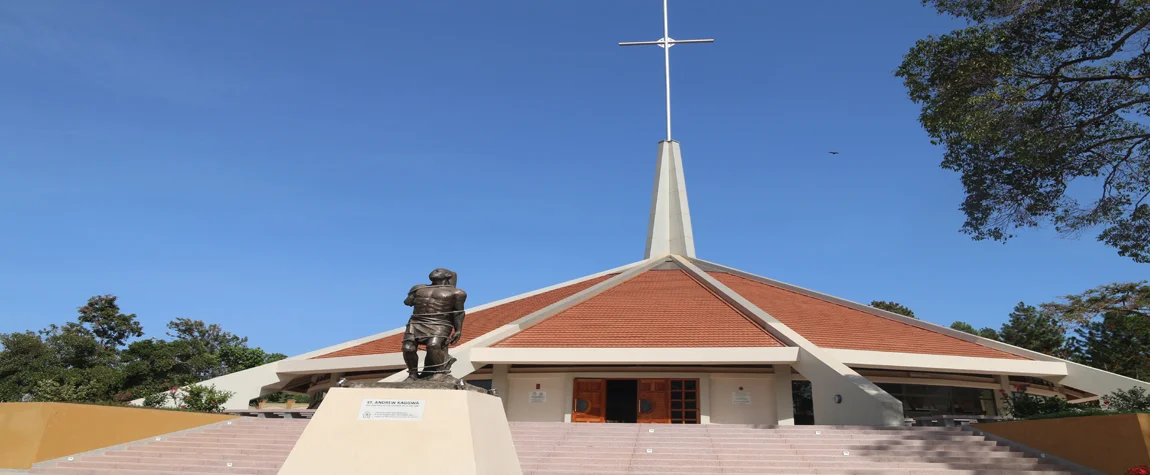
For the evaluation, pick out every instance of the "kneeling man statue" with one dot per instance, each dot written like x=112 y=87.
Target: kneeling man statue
x=436 y=323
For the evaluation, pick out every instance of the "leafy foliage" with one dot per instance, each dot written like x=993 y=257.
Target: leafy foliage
x=1130 y=299
x=1023 y=405
x=984 y=332
x=91 y=359
x=283 y=397
x=1133 y=400
x=47 y=390
x=110 y=327
x=202 y=398
x=156 y=399
x=1111 y=326
x=893 y=307
x=1117 y=343
x=1030 y=329
x=1034 y=96
x=210 y=336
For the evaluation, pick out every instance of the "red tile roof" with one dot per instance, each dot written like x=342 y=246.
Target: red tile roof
x=477 y=323
x=659 y=308
x=831 y=325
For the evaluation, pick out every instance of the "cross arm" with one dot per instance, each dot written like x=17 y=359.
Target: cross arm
x=660 y=42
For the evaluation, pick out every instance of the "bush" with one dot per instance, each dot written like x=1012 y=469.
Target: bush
x=202 y=398
x=156 y=400
x=1133 y=400
x=1024 y=406
x=1093 y=411
x=47 y=390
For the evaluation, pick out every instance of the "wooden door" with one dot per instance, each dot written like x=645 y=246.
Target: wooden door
x=590 y=404
x=654 y=401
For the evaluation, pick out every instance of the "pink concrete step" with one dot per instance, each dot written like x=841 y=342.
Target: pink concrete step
x=251 y=447
x=259 y=447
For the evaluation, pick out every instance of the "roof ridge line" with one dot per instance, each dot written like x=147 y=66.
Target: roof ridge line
x=914 y=322
x=478 y=308
x=507 y=330
x=724 y=301
x=818 y=364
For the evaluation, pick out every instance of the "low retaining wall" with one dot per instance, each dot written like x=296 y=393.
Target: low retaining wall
x=1110 y=444
x=32 y=432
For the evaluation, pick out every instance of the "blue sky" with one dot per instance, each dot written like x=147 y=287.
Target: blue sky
x=290 y=169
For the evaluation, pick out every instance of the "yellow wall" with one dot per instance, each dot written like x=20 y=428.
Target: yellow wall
x=32 y=432
x=1110 y=444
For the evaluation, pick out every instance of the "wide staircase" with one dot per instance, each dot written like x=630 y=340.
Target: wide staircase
x=611 y=449
x=245 y=445
x=260 y=446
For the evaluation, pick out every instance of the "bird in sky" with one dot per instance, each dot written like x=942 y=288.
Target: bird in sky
x=833 y=153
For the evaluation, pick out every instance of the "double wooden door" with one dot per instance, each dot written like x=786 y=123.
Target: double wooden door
x=590 y=401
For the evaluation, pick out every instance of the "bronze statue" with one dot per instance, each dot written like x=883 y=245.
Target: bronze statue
x=436 y=323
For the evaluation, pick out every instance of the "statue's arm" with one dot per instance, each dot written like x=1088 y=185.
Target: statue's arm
x=457 y=319
x=410 y=300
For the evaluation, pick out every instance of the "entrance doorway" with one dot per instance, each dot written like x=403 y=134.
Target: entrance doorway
x=622 y=395
x=651 y=401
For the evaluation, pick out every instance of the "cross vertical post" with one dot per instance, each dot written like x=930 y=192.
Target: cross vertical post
x=666 y=43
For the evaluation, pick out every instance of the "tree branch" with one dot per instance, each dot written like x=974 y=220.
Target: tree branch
x=1108 y=53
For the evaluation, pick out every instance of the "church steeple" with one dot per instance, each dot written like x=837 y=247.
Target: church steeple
x=669 y=228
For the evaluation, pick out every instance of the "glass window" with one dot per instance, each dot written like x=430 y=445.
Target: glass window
x=923 y=400
x=483 y=383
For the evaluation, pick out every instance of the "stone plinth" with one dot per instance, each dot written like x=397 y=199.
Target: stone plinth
x=405 y=431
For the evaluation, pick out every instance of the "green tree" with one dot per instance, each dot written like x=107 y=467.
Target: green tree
x=1034 y=96
x=238 y=358
x=1117 y=343
x=1112 y=327
x=87 y=360
x=985 y=332
x=1129 y=298
x=211 y=336
x=110 y=327
x=892 y=307
x=1028 y=328
x=24 y=360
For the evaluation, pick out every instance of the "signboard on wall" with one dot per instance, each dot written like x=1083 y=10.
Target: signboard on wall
x=741 y=397
x=537 y=397
x=390 y=410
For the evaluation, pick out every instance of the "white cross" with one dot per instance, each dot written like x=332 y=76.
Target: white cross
x=666 y=42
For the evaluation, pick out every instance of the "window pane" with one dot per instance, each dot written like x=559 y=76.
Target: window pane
x=676 y=404
x=676 y=384
x=676 y=394
x=691 y=405
x=689 y=384
x=677 y=414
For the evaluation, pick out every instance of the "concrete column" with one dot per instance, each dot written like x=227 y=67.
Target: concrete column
x=499 y=382
x=784 y=403
x=1004 y=385
x=568 y=395
x=705 y=399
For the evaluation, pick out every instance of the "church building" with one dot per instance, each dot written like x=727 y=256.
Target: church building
x=676 y=339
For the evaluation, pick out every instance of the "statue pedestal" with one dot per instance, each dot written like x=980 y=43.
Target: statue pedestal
x=405 y=431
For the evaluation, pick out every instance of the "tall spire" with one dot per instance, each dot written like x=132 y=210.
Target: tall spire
x=669 y=228
x=666 y=42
